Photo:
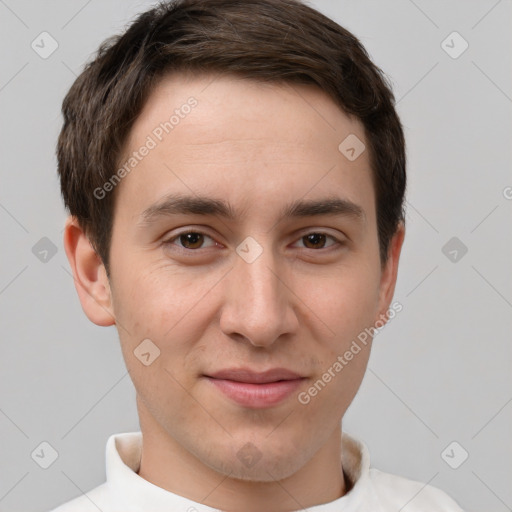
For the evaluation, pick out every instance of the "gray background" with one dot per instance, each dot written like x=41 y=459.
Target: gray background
x=440 y=371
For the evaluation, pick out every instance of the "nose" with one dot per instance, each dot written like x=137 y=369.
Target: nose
x=259 y=303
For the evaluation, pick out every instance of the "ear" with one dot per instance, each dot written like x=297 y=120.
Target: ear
x=389 y=273
x=89 y=274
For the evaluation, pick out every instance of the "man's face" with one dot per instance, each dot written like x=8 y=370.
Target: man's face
x=258 y=291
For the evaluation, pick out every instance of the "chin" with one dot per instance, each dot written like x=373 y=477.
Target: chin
x=253 y=465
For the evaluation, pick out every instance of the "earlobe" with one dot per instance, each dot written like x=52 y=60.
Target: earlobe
x=89 y=274
x=390 y=273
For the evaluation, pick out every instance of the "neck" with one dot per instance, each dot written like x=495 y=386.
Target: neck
x=167 y=464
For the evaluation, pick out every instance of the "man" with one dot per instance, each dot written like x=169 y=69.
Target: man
x=235 y=175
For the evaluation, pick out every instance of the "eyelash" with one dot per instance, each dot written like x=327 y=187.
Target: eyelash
x=169 y=242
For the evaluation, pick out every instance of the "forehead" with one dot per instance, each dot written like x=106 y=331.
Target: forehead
x=224 y=136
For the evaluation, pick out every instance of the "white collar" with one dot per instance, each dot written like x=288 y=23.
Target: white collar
x=123 y=455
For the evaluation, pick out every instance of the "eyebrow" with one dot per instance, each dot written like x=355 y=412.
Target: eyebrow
x=176 y=204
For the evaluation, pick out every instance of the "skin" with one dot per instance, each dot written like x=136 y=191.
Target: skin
x=298 y=305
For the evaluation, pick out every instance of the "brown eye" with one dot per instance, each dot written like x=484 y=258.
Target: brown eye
x=191 y=240
x=317 y=240
x=314 y=240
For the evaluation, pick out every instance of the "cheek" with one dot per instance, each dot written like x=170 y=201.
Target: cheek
x=346 y=301
x=158 y=297
x=347 y=307
x=158 y=306
x=169 y=308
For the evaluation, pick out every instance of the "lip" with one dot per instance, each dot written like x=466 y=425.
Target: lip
x=256 y=389
x=251 y=377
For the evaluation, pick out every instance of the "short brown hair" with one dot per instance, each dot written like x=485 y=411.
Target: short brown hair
x=267 y=40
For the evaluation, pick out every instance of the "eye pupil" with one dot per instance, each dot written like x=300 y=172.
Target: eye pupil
x=315 y=239
x=188 y=239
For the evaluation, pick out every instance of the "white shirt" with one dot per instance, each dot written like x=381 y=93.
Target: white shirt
x=373 y=490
